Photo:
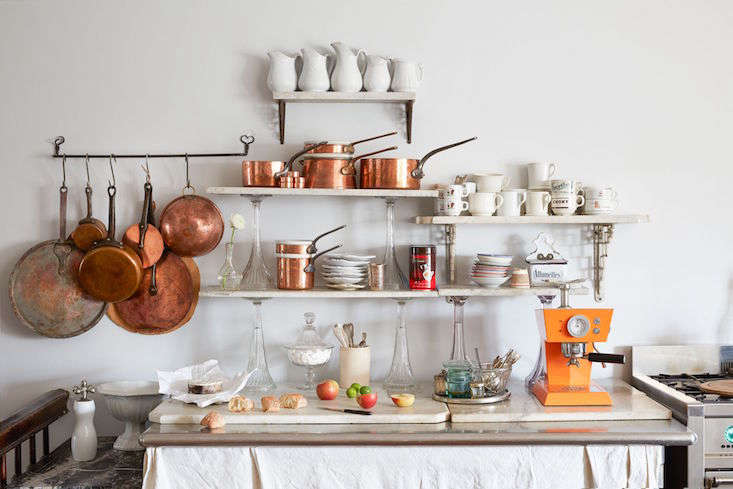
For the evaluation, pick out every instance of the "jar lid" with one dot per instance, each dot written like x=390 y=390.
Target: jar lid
x=308 y=337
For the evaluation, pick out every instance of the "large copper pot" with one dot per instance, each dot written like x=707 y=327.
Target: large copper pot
x=343 y=148
x=397 y=173
x=267 y=173
x=322 y=170
x=295 y=271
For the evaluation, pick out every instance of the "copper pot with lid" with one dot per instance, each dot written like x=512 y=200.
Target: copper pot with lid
x=397 y=173
x=323 y=170
x=343 y=148
x=267 y=173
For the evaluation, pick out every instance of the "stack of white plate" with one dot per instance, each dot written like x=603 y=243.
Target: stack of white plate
x=491 y=270
x=346 y=272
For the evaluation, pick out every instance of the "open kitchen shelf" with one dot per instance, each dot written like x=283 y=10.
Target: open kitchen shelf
x=476 y=291
x=332 y=192
x=318 y=293
x=575 y=219
x=284 y=98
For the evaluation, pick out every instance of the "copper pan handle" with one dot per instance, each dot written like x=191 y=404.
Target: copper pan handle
x=144 y=219
x=373 y=138
x=417 y=173
x=310 y=268
x=349 y=168
x=111 y=191
x=312 y=247
x=289 y=164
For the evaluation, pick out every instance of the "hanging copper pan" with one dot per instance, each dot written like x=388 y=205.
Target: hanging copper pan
x=191 y=225
x=266 y=173
x=110 y=271
x=326 y=171
x=90 y=229
x=44 y=292
x=150 y=247
x=342 y=148
x=397 y=173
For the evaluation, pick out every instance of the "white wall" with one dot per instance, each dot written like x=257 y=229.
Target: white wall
x=632 y=94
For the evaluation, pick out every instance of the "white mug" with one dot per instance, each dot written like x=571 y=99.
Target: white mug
x=594 y=205
x=484 y=203
x=564 y=185
x=454 y=206
x=513 y=200
x=470 y=187
x=565 y=203
x=600 y=192
x=537 y=202
x=490 y=182
x=538 y=175
x=457 y=190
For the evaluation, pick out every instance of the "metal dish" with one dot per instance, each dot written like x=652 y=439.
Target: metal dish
x=482 y=400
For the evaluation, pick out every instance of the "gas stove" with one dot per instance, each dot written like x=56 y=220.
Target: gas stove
x=709 y=416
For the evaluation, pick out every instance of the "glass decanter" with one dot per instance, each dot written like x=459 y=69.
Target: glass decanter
x=228 y=276
x=260 y=380
x=400 y=378
x=256 y=276
x=309 y=351
x=458 y=368
x=394 y=279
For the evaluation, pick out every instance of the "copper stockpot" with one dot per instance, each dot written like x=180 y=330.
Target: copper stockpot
x=295 y=271
x=397 y=173
x=342 y=148
x=326 y=171
x=267 y=173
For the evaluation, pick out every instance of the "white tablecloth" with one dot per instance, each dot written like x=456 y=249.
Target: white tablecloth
x=408 y=467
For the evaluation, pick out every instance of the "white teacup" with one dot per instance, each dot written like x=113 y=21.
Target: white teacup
x=599 y=192
x=564 y=185
x=454 y=206
x=484 y=203
x=513 y=200
x=538 y=175
x=537 y=203
x=599 y=206
x=470 y=187
x=490 y=182
x=457 y=190
x=565 y=203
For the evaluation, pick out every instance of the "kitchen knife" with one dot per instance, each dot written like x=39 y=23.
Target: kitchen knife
x=350 y=411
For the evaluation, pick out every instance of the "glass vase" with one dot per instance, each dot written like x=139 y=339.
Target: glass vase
x=400 y=378
x=260 y=380
x=256 y=276
x=458 y=350
x=228 y=276
x=394 y=279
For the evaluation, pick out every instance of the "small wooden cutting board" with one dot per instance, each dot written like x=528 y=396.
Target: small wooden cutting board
x=720 y=387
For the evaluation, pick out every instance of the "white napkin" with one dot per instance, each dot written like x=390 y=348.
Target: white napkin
x=175 y=383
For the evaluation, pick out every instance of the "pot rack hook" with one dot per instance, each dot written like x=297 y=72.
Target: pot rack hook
x=86 y=165
x=146 y=168
x=188 y=178
x=246 y=140
x=57 y=145
x=113 y=183
x=63 y=188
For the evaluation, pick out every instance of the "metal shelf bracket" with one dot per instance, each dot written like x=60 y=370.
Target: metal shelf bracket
x=450 y=252
x=602 y=234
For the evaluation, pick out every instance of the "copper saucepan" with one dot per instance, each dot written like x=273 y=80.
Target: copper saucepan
x=343 y=148
x=295 y=271
x=89 y=229
x=332 y=171
x=150 y=247
x=397 y=173
x=267 y=173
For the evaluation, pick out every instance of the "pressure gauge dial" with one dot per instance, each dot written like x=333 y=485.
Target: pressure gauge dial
x=578 y=326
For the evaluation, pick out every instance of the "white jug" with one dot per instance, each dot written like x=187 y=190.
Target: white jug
x=84 y=436
x=346 y=76
x=282 y=76
x=314 y=77
x=376 y=75
x=407 y=75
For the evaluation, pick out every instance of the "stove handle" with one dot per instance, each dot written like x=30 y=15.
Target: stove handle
x=606 y=358
x=719 y=481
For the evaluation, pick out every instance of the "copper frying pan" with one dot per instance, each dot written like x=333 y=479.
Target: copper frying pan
x=44 y=292
x=90 y=229
x=191 y=225
x=150 y=247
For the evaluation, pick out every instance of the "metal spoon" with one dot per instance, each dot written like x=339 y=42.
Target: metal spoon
x=363 y=343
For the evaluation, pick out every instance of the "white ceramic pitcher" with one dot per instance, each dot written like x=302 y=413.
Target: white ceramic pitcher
x=282 y=76
x=346 y=76
x=407 y=75
x=314 y=77
x=376 y=75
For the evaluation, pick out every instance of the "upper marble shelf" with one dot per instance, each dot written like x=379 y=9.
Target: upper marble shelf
x=575 y=219
x=333 y=192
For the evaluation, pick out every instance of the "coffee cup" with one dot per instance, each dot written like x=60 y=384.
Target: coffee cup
x=454 y=206
x=490 y=182
x=537 y=203
x=565 y=203
x=564 y=185
x=600 y=192
x=538 y=175
x=470 y=187
x=513 y=200
x=484 y=203
x=457 y=190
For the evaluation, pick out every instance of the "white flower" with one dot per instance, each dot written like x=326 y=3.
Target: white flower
x=236 y=221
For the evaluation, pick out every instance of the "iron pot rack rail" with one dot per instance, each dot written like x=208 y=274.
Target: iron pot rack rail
x=245 y=139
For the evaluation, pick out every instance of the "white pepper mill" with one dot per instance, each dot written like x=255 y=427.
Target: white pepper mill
x=84 y=438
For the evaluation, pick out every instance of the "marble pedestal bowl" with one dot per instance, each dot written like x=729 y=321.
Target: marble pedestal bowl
x=130 y=401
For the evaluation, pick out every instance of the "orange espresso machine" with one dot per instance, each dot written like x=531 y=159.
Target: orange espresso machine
x=567 y=352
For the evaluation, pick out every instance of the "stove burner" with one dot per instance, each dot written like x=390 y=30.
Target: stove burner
x=689 y=385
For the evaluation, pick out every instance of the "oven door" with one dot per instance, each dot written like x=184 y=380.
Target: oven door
x=718 y=478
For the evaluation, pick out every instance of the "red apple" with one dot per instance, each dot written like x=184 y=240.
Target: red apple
x=367 y=401
x=327 y=390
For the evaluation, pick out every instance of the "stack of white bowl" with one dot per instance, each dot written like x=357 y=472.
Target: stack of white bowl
x=491 y=270
x=346 y=272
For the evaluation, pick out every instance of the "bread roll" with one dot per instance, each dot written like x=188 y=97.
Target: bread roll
x=270 y=404
x=293 y=401
x=239 y=404
x=213 y=420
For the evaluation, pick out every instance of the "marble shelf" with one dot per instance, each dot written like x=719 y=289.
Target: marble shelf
x=575 y=219
x=476 y=291
x=317 y=293
x=320 y=192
